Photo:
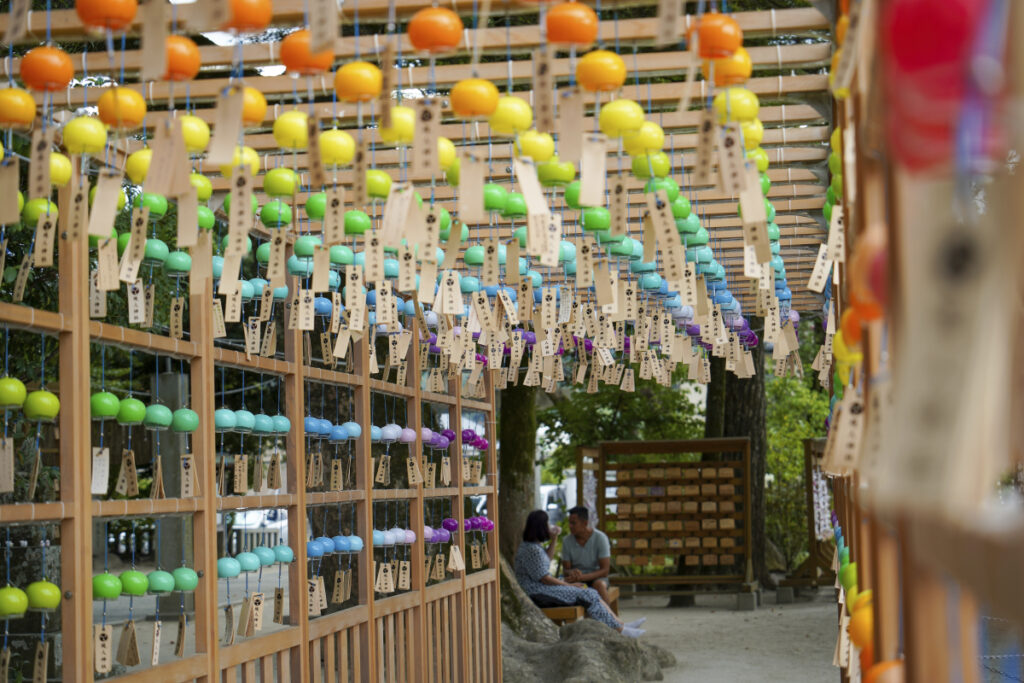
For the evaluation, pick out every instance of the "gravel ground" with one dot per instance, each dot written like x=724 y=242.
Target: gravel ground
x=714 y=643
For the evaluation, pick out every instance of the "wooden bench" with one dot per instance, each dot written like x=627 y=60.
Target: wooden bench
x=613 y=599
x=563 y=615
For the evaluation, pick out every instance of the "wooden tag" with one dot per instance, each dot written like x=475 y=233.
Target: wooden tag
x=317 y=176
x=188 y=219
x=154 y=654
x=274 y=471
x=393 y=222
x=128 y=648
x=404 y=575
x=360 y=166
x=153 y=21
x=148 y=303
x=101 y=648
x=334 y=216
x=5 y=658
x=413 y=471
x=406 y=269
x=39 y=163
x=128 y=477
x=100 y=469
x=669 y=12
x=179 y=645
x=104 y=205
x=388 y=72
x=593 y=169
x=382 y=470
x=836 y=244
x=9 y=182
x=233 y=306
x=446 y=470
x=189 y=478
x=136 y=303
x=755 y=220
x=313 y=597
x=455 y=561
x=279 y=605
x=227 y=122
x=474 y=554
x=428 y=128
x=256 y=611
x=543 y=90
x=21 y=279
x=136 y=250
x=471 y=188
x=305 y=311
x=321 y=269
x=619 y=198
x=17 y=27
x=570 y=125
x=439 y=567
x=176 y=316
x=7 y=466
x=46 y=229
x=41 y=662
x=822 y=266
x=338 y=592
x=229 y=623
x=731 y=168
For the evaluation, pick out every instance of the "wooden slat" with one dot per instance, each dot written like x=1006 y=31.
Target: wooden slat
x=284 y=666
x=252 y=648
x=64 y=24
x=267 y=667
x=19 y=513
x=392 y=647
x=446 y=655
x=249 y=671
x=144 y=507
x=21 y=317
x=187 y=669
x=344 y=668
x=399 y=645
x=316 y=666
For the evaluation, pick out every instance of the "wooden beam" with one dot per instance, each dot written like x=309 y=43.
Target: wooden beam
x=66 y=26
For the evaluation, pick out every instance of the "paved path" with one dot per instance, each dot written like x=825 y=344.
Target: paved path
x=714 y=643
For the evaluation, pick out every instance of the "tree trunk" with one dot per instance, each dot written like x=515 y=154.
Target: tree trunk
x=745 y=416
x=714 y=427
x=517 y=431
x=714 y=401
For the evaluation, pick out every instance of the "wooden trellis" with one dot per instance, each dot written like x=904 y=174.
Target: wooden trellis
x=795 y=112
x=451 y=627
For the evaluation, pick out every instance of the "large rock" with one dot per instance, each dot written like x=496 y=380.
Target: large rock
x=534 y=650
x=587 y=652
x=519 y=612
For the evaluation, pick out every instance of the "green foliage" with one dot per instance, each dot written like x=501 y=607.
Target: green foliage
x=795 y=411
x=652 y=412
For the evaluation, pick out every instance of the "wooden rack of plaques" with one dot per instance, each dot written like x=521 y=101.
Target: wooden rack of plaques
x=442 y=632
x=693 y=509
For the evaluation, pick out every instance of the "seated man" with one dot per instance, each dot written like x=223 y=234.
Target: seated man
x=586 y=553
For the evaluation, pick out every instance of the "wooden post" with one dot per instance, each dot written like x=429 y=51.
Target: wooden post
x=204 y=522
x=295 y=407
x=75 y=454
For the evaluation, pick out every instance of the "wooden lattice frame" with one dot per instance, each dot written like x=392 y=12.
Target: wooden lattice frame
x=452 y=627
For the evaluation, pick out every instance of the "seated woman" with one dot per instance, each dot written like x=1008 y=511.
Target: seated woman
x=532 y=563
